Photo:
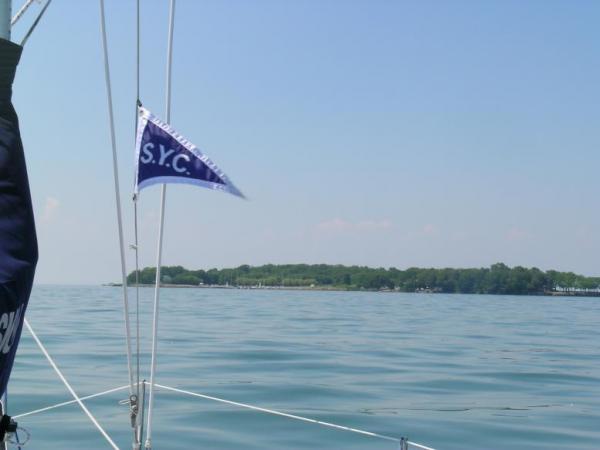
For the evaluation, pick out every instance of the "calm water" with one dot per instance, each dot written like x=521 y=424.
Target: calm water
x=449 y=371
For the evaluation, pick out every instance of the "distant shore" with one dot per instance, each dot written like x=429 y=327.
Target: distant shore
x=343 y=289
x=498 y=279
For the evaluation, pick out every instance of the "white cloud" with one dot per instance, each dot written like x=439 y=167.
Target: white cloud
x=50 y=207
x=429 y=229
x=341 y=225
x=516 y=234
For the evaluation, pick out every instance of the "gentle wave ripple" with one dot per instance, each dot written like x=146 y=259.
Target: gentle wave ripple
x=449 y=371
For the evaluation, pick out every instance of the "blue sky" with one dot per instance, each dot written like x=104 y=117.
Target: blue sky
x=380 y=133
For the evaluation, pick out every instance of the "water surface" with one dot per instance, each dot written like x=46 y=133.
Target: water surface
x=449 y=371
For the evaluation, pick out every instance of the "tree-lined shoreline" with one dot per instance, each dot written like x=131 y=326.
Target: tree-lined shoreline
x=497 y=279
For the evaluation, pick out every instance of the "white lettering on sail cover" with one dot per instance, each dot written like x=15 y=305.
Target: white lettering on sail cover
x=9 y=325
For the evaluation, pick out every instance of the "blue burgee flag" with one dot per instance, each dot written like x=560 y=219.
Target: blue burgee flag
x=164 y=156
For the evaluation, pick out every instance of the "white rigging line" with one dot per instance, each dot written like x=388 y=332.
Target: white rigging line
x=137 y=260
x=292 y=416
x=163 y=193
x=132 y=393
x=70 y=402
x=68 y=386
x=117 y=195
x=241 y=405
x=135 y=408
x=20 y=12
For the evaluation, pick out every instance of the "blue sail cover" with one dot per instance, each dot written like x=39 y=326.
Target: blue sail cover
x=18 y=243
x=164 y=156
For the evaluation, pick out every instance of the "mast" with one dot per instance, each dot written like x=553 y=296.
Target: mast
x=5 y=17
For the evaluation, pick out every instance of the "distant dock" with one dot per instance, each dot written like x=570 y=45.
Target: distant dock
x=590 y=293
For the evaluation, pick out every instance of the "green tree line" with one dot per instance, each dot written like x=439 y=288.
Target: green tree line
x=497 y=279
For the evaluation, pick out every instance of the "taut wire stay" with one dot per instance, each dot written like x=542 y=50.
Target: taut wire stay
x=118 y=203
x=20 y=12
x=163 y=193
x=136 y=402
